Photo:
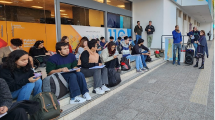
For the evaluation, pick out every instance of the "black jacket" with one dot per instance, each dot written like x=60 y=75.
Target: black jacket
x=150 y=27
x=138 y=30
x=17 y=78
x=138 y=49
x=85 y=60
x=5 y=94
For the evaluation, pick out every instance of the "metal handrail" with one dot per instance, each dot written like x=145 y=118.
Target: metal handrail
x=170 y=35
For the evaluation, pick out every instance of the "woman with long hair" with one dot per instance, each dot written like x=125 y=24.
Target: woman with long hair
x=81 y=47
x=66 y=40
x=201 y=49
x=109 y=56
x=18 y=74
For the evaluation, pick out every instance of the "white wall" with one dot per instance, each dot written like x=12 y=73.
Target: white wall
x=146 y=10
x=207 y=27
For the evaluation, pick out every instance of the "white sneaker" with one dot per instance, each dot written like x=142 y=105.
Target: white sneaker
x=144 y=69
x=87 y=96
x=98 y=91
x=77 y=100
x=104 y=88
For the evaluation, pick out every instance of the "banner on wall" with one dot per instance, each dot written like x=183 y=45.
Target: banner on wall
x=169 y=49
x=118 y=32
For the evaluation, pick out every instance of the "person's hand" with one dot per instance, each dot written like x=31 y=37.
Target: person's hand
x=33 y=79
x=149 y=30
x=100 y=64
x=65 y=69
x=48 y=53
x=178 y=31
x=3 y=110
x=78 y=70
x=136 y=33
x=115 y=56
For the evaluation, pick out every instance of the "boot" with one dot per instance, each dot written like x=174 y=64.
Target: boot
x=196 y=65
x=202 y=67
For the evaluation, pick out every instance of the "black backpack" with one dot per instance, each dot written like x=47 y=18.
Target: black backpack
x=56 y=84
x=125 y=64
x=148 y=59
x=113 y=77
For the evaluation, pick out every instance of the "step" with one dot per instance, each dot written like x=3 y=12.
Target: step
x=72 y=111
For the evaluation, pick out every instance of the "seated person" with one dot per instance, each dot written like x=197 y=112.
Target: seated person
x=16 y=44
x=131 y=41
x=66 y=40
x=118 y=44
x=103 y=43
x=6 y=102
x=39 y=52
x=109 y=58
x=111 y=39
x=81 y=47
x=126 y=53
x=18 y=74
x=91 y=59
x=62 y=62
x=138 y=50
x=99 y=47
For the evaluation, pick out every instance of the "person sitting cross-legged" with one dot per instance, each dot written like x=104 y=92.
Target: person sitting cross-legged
x=62 y=62
x=90 y=59
x=137 y=49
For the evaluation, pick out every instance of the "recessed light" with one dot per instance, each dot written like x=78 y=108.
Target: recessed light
x=121 y=6
x=62 y=10
x=52 y=15
x=6 y=2
x=36 y=6
x=64 y=14
x=108 y=1
x=27 y=0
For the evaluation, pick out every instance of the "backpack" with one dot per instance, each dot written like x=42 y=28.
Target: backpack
x=49 y=107
x=125 y=64
x=157 y=54
x=113 y=77
x=161 y=53
x=148 y=59
x=56 y=84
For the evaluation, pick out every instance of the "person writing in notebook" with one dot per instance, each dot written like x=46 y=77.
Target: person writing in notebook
x=62 y=62
x=90 y=59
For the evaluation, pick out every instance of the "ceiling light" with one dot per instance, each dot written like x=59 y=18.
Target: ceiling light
x=52 y=15
x=121 y=6
x=108 y=1
x=62 y=10
x=64 y=14
x=27 y=0
x=6 y=2
x=36 y=6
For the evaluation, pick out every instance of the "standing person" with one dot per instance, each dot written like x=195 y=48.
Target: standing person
x=18 y=74
x=138 y=31
x=177 y=38
x=62 y=62
x=81 y=47
x=150 y=29
x=201 y=49
x=109 y=58
x=103 y=43
x=209 y=35
x=126 y=53
x=92 y=59
x=137 y=49
x=194 y=35
x=66 y=40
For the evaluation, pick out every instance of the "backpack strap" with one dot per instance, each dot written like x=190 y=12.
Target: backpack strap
x=63 y=81
x=57 y=92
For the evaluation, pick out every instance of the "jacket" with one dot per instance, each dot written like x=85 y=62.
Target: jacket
x=177 y=38
x=138 y=30
x=16 y=79
x=138 y=49
x=196 y=34
x=125 y=49
x=105 y=56
x=5 y=94
x=150 y=27
x=4 y=52
x=203 y=46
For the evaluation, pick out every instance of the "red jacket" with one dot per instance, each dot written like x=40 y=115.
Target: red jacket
x=70 y=49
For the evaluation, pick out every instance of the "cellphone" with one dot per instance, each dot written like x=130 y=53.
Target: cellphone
x=37 y=74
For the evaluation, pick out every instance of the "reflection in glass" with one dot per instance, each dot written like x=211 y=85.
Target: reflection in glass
x=124 y=4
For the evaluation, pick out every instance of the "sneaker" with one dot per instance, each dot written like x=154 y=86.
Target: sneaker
x=87 y=96
x=98 y=91
x=104 y=88
x=139 y=70
x=77 y=100
x=144 y=69
x=178 y=63
x=147 y=68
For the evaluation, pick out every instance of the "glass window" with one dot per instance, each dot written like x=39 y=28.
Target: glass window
x=124 y=4
x=101 y=1
x=118 y=21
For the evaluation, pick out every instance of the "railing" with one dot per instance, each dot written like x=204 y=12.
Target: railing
x=170 y=35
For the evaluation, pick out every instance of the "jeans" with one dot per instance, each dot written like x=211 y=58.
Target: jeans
x=139 y=64
x=149 y=40
x=143 y=57
x=77 y=83
x=24 y=93
x=137 y=38
x=99 y=52
x=195 y=46
x=175 y=47
x=100 y=76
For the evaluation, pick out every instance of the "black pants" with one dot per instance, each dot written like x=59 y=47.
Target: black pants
x=113 y=63
x=200 y=56
x=16 y=114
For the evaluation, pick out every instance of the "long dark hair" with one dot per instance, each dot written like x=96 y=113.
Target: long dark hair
x=203 y=32
x=81 y=44
x=64 y=38
x=13 y=57
x=37 y=43
x=110 y=44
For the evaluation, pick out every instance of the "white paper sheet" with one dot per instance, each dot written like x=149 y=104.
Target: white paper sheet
x=96 y=67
